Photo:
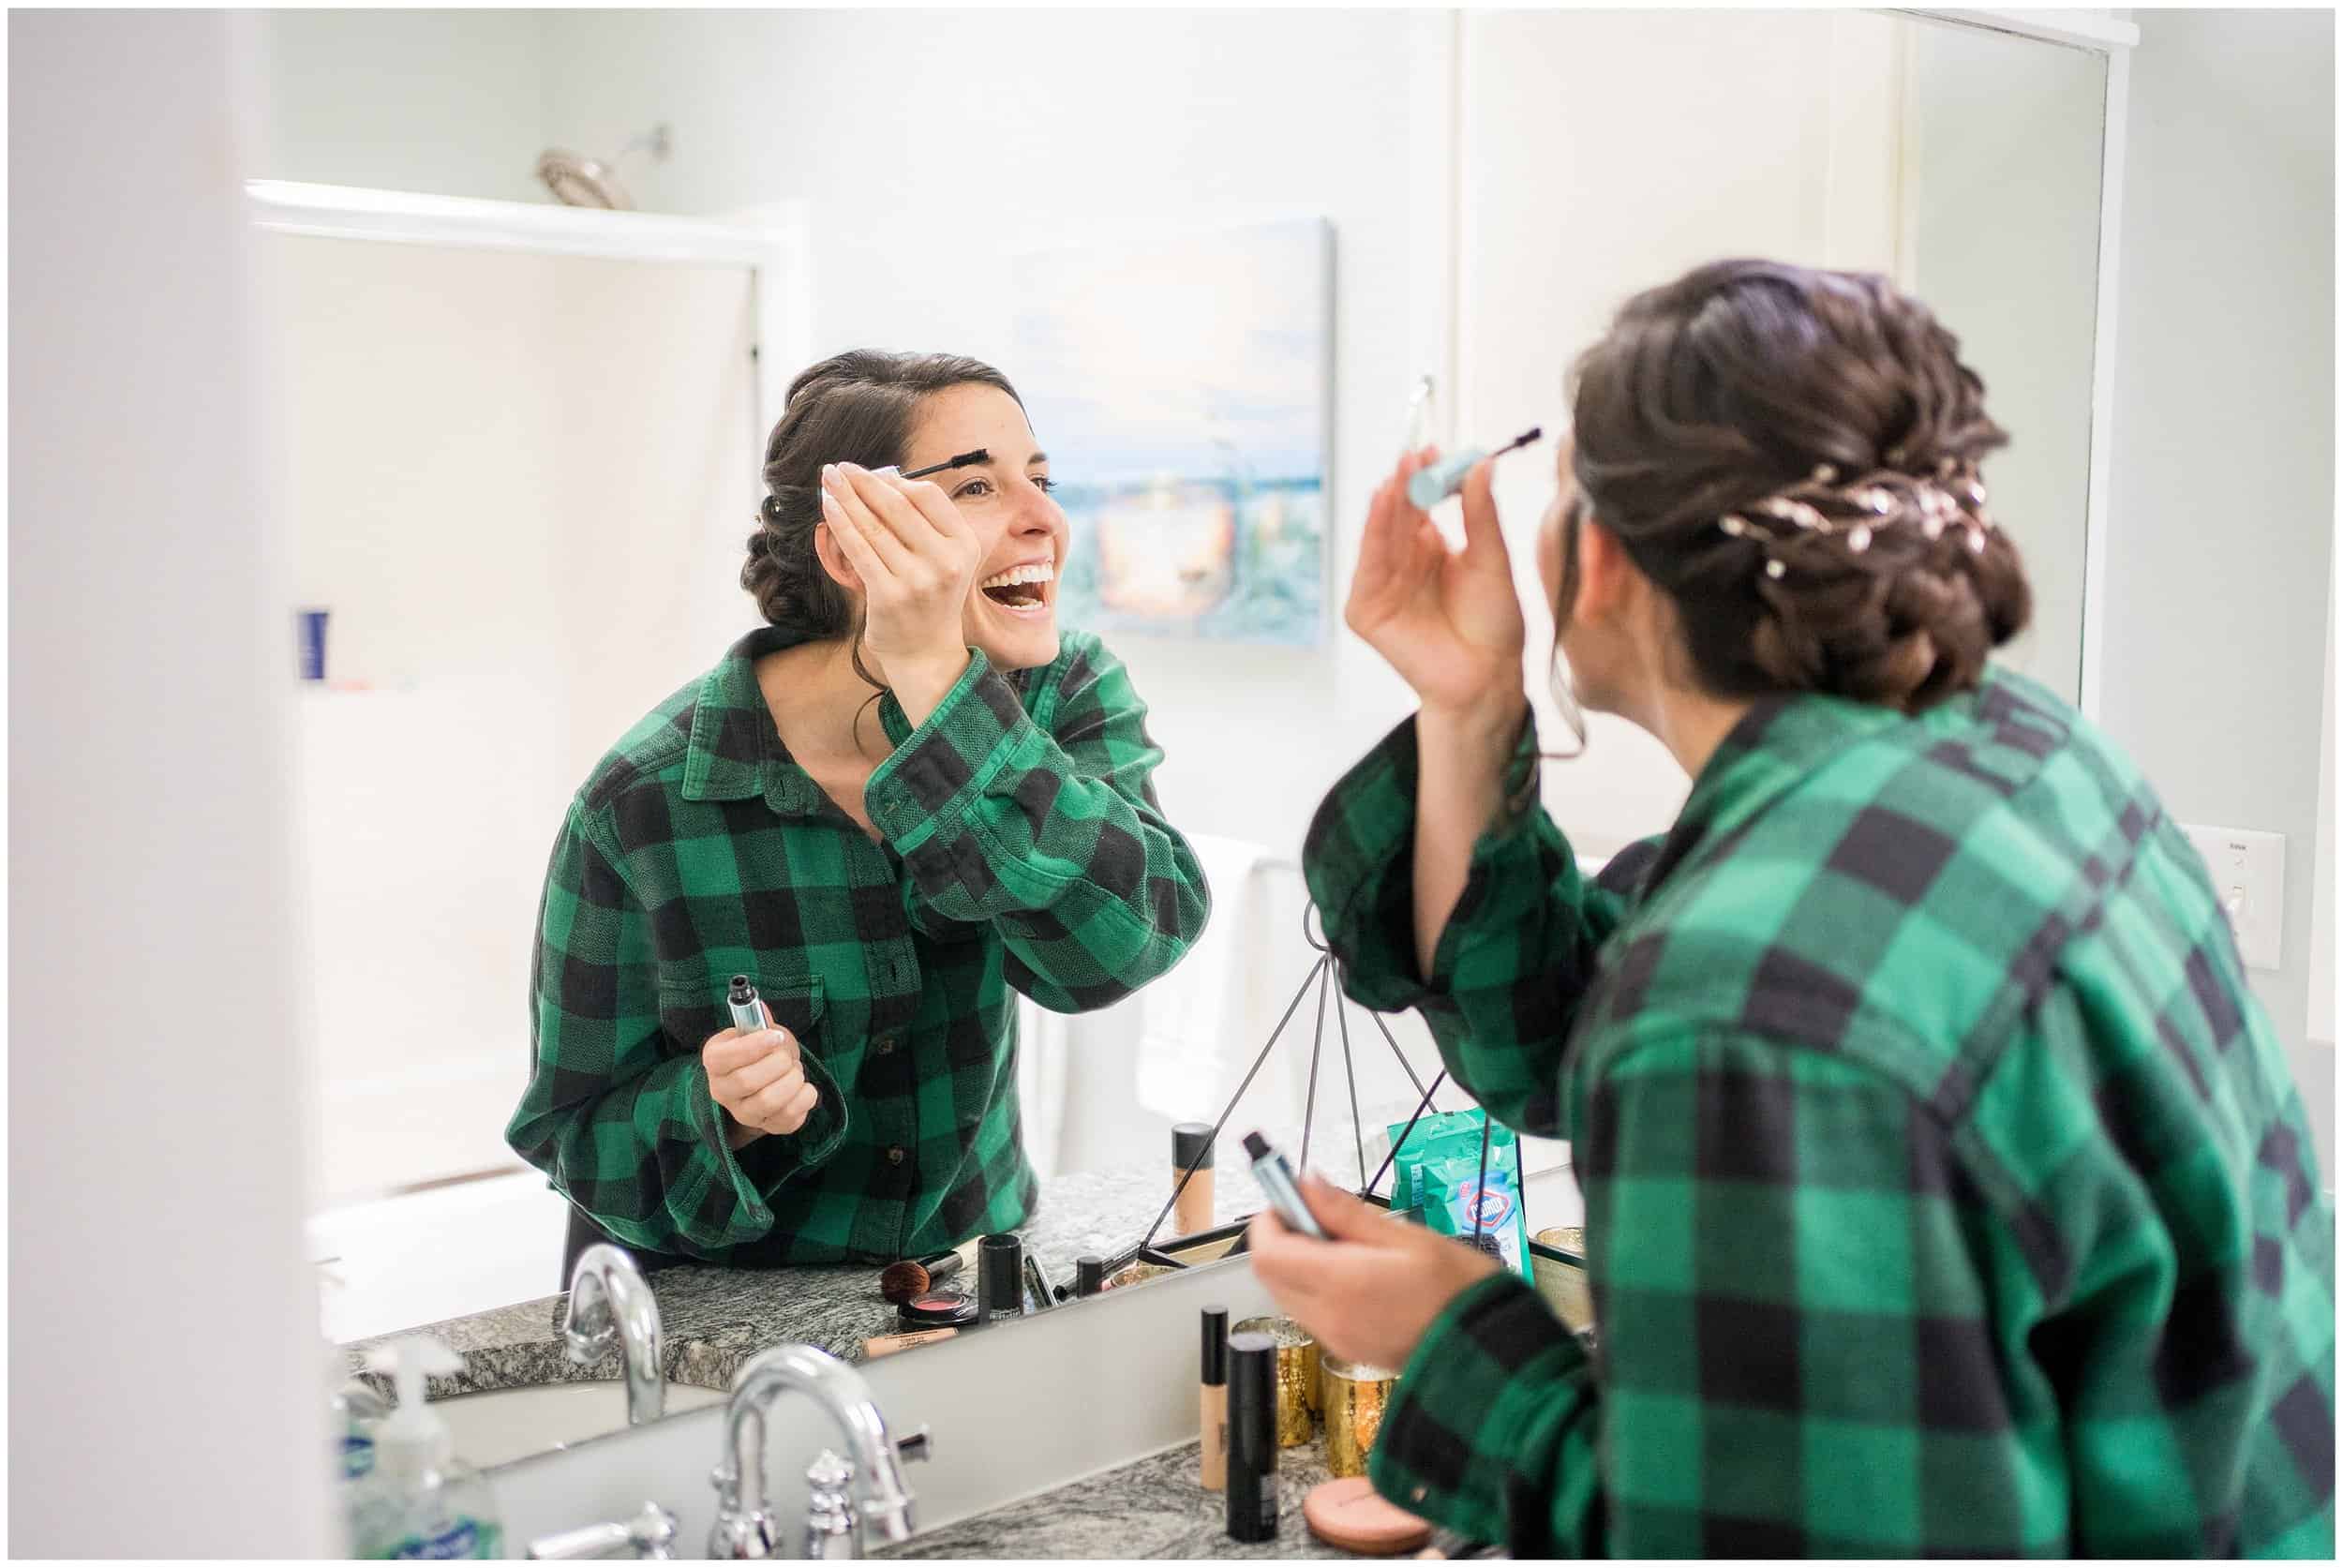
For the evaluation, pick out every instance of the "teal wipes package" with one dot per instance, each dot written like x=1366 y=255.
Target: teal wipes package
x=1437 y=1174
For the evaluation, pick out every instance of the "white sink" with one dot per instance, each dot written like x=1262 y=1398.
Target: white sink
x=508 y=1424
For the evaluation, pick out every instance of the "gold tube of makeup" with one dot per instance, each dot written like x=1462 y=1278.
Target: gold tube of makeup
x=1191 y=1145
x=1213 y=1403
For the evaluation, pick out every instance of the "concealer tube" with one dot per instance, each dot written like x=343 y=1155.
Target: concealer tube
x=888 y=1344
x=1213 y=1402
x=1191 y=1145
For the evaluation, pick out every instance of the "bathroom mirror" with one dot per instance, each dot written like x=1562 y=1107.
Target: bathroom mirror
x=520 y=446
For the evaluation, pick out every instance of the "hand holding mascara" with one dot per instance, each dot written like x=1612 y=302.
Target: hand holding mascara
x=754 y=1069
x=1449 y=622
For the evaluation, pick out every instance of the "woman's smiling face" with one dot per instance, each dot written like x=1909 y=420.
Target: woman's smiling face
x=1012 y=611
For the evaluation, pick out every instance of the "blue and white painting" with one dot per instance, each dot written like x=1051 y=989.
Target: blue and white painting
x=1180 y=389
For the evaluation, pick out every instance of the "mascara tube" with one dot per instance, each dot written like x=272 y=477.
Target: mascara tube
x=748 y=1013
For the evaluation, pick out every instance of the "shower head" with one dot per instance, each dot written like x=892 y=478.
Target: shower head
x=578 y=181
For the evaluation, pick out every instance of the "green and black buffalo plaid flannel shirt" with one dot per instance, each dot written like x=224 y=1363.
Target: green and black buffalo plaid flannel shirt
x=1947 y=1190
x=1023 y=850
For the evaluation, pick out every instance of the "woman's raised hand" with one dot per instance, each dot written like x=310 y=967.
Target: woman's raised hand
x=1449 y=622
x=917 y=559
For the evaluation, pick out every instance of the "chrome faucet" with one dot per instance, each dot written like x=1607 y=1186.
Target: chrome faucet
x=834 y=1524
x=610 y=1300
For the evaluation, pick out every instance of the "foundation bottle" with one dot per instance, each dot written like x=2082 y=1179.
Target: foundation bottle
x=1191 y=1145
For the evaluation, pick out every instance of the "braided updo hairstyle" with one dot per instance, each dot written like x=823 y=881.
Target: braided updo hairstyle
x=1791 y=456
x=851 y=407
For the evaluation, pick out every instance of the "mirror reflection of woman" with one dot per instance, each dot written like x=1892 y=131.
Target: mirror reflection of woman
x=1946 y=1191
x=908 y=797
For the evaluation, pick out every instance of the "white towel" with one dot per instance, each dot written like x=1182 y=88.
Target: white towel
x=1041 y=1058
x=1193 y=1039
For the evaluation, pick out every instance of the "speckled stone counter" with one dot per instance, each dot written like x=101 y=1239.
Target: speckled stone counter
x=1151 y=1509
x=713 y=1319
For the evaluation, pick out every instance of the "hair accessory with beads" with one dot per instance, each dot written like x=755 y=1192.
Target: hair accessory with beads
x=1875 y=501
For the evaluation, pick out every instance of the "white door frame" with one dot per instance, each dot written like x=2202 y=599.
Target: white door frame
x=773 y=245
x=2100 y=34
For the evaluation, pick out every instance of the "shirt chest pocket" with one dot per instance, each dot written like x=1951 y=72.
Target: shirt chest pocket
x=692 y=1008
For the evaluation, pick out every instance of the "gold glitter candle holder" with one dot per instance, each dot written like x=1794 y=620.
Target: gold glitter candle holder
x=1354 y=1396
x=1297 y=1376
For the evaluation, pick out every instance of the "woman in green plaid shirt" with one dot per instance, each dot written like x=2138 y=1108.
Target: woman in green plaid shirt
x=904 y=799
x=1947 y=1191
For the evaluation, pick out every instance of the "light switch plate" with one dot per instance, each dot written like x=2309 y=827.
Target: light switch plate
x=2249 y=877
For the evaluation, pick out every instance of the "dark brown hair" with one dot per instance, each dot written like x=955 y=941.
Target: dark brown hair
x=1746 y=379
x=851 y=407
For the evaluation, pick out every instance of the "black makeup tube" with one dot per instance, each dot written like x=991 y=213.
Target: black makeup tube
x=1252 y=1437
x=1090 y=1275
x=1000 y=1278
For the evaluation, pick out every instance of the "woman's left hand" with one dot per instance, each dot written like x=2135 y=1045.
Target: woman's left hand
x=1369 y=1295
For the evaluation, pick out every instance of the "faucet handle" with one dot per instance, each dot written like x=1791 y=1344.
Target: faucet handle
x=829 y=1516
x=828 y=1472
x=919 y=1446
x=650 y=1535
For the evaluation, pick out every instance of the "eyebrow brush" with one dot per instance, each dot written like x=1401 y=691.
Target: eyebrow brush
x=1432 y=485
x=966 y=459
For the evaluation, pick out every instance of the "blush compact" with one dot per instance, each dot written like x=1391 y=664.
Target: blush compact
x=938 y=1310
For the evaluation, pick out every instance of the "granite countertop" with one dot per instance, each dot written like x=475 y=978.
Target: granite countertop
x=713 y=1320
x=1150 y=1508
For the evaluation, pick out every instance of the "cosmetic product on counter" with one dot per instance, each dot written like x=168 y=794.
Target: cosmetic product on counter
x=1038 y=1297
x=888 y=1344
x=1000 y=1278
x=938 y=1310
x=917 y=1276
x=1132 y=1274
x=1213 y=1402
x=1252 y=1437
x=1354 y=1395
x=1090 y=1275
x=1192 y=1146
x=1284 y=1193
x=1297 y=1361
x=1351 y=1514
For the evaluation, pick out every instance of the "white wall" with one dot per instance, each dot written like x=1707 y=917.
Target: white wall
x=164 y=1356
x=2223 y=501
x=930 y=146
x=515 y=600
x=449 y=102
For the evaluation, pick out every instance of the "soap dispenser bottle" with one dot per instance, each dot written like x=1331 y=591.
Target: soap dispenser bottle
x=421 y=1500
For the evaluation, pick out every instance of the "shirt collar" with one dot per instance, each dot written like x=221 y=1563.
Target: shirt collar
x=734 y=753
x=1778 y=741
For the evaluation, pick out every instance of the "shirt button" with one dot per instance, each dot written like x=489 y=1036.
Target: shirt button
x=884 y=1045
x=895 y=1155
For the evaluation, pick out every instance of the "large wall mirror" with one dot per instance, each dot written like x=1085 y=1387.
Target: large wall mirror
x=522 y=452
